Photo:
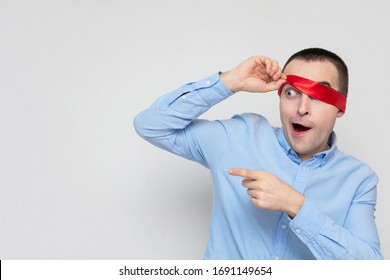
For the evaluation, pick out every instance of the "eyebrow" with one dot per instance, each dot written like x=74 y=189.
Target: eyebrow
x=325 y=83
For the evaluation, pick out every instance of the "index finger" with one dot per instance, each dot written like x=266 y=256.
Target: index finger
x=274 y=85
x=244 y=173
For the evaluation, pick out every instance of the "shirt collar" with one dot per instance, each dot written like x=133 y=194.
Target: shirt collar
x=318 y=159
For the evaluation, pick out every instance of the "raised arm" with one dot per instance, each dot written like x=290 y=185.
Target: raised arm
x=170 y=122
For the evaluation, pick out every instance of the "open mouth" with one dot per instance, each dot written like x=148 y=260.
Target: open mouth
x=300 y=128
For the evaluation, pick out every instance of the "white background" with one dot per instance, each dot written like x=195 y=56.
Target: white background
x=76 y=182
x=190 y=269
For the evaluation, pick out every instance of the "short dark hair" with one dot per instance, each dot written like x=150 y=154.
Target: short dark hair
x=318 y=54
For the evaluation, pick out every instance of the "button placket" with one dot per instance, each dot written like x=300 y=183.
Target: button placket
x=281 y=238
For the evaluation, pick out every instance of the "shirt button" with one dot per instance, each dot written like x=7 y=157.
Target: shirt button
x=207 y=82
x=284 y=226
x=298 y=231
x=277 y=257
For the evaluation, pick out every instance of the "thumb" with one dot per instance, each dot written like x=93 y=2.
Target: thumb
x=274 y=85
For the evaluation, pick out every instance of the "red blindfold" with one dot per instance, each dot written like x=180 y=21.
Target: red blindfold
x=317 y=90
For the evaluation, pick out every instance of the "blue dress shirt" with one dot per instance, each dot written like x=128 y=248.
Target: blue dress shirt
x=337 y=218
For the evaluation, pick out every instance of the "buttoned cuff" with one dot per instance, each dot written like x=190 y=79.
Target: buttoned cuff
x=219 y=89
x=211 y=90
x=308 y=223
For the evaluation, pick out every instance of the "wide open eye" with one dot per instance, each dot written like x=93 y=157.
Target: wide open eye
x=291 y=92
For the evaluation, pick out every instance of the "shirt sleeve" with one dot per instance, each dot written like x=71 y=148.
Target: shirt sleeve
x=357 y=238
x=171 y=122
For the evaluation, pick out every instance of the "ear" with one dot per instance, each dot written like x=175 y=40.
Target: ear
x=340 y=114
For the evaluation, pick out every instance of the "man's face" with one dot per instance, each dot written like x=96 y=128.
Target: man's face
x=308 y=122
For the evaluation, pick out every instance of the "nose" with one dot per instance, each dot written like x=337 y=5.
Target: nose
x=304 y=105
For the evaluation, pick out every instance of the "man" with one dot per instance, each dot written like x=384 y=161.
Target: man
x=279 y=193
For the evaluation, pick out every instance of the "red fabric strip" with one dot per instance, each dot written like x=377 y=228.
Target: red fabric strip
x=317 y=90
